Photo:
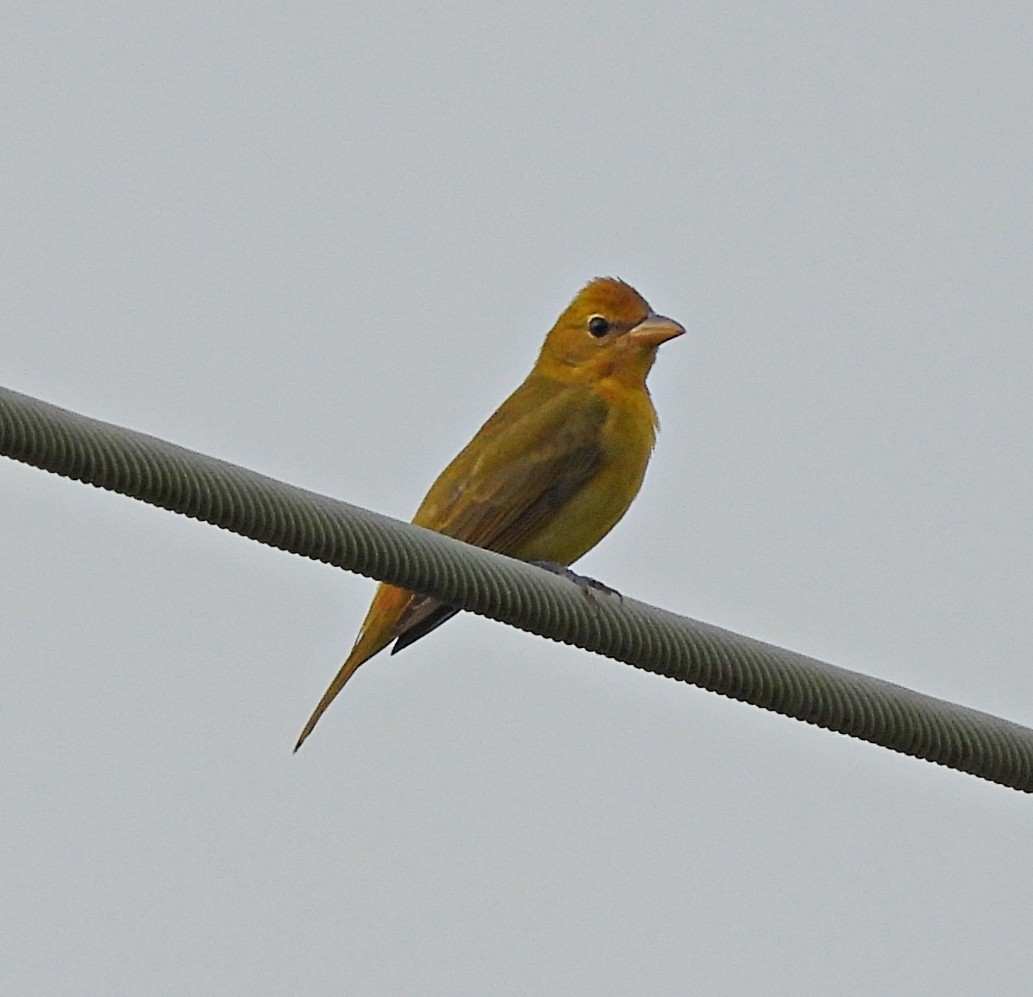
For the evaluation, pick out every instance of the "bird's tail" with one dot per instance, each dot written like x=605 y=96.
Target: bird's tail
x=378 y=630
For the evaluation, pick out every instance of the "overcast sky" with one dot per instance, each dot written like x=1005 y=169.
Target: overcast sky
x=325 y=241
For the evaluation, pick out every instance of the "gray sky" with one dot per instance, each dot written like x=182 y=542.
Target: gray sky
x=324 y=241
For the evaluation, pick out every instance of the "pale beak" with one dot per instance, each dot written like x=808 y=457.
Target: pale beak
x=654 y=330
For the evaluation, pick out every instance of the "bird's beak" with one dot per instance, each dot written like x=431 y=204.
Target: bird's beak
x=654 y=330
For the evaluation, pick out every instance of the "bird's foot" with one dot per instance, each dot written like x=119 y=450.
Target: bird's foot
x=587 y=585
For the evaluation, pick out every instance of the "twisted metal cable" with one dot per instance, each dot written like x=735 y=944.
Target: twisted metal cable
x=509 y=591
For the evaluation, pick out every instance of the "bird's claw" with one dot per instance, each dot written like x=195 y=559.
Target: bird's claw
x=587 y=585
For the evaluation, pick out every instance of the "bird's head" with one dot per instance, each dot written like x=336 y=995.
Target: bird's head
x=607 y=331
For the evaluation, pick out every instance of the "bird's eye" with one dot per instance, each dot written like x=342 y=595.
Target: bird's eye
x=598 y=326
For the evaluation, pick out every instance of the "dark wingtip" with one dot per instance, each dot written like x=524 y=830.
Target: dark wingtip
x=435 y=613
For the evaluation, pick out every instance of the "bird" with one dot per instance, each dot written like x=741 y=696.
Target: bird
x=551 y=471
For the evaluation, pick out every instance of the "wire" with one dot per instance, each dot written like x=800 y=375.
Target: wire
x=522 y=595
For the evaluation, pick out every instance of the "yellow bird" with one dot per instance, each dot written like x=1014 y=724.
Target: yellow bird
x=552 y=471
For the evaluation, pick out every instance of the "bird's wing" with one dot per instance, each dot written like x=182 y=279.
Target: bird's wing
x=511 y=481
x=518 y=473
x=421 y=616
